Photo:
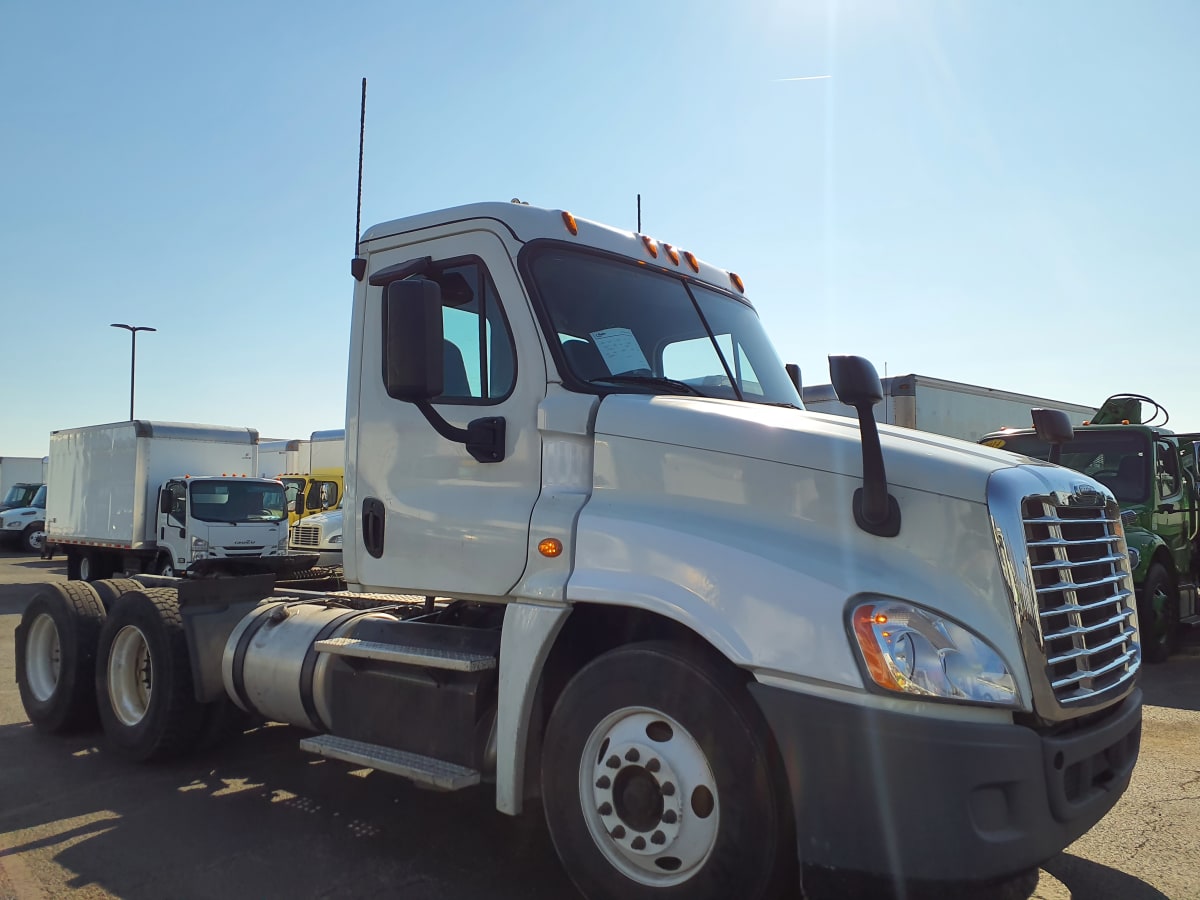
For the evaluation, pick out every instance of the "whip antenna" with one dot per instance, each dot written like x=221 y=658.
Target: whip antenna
x=358 y=265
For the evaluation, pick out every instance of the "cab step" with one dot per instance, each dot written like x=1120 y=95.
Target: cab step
x=426 y=770
x=1190 y=620
x=429 y=657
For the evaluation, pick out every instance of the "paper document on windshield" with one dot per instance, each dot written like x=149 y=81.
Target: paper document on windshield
x=620 y=350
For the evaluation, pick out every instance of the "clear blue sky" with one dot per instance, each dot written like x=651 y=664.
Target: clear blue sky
x=1002 y=193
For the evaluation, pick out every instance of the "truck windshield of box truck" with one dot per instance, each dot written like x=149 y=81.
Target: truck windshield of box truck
x=624 y=327
x=237 y=501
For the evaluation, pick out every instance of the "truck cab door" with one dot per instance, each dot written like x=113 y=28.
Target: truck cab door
x=438 y=520
x=172 y=514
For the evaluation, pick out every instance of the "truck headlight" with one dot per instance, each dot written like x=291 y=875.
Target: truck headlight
x=199 y=548
x=914 y=651
x=336 y=539
x=282 y=546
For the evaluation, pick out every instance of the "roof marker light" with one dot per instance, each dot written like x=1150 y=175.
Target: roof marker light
x=691 y=260
x=651 y=245
x=672 y=253
x=569 y=221
x=737 y=282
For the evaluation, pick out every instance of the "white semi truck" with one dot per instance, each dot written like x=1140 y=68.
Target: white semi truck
x=166 y=498
x=952 y=408
x=25 y=526
x=603 y=562
x=20 y=478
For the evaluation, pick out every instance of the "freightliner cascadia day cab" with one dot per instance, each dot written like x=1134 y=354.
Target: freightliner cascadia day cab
x=601 y=560
x=165 y=498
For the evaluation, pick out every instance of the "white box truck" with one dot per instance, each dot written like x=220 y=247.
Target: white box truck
x=163 y=497
x=711 y=636
x=20 y=477
x=279 y=457
x=950 y=408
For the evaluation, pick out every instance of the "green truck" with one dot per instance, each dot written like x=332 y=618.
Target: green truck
x=1155 y=476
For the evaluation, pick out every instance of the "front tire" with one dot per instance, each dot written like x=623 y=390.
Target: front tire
x=144 y=679
x=1158 y=614
x=165 y=566
x=56 y=656
x=659 y=779
x=33 y=538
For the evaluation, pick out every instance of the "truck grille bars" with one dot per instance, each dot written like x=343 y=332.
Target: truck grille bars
x=1085 y=605
x=1063 y=557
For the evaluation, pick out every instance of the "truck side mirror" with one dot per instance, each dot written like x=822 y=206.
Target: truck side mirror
x=412 y=340
x=164 y=501
x=1054 y=427
x=856 y=384
x=793 y=372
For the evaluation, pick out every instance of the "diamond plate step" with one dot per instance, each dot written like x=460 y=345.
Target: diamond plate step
x=457 y=660
x=435 y=772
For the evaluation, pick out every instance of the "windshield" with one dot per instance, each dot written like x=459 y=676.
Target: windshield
x=39 y=499
x=20 y=495
x=237 y=501
x=1117 y=459
x=654 y=331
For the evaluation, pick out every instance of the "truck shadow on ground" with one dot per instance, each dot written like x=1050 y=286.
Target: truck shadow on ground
x=258 y=818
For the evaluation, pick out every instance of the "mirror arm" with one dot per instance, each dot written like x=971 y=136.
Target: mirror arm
x=484 y=438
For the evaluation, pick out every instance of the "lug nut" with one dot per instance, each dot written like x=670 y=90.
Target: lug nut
x=669 y=817
x=668 y=789
x=653 y=766
x=605 y=809
x=603 y=783
x=617 y=833
x=639 y=843
x=632 y=755
x=658 y=838
x=614 y=762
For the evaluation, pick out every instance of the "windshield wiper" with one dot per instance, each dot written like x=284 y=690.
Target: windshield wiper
x=678 y=387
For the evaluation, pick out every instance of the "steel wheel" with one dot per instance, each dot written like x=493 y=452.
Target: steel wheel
x=130 y=676
x=43 y=658
x=649 y=796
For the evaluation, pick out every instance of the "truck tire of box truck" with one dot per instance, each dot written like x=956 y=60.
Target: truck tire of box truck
x=659 y=776
x=56 y=654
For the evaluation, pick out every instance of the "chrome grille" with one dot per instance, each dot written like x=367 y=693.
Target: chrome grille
x=1084 y=603
x=306 y=536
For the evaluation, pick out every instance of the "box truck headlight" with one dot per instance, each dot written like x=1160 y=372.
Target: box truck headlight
x=282 y=546
x=199 y=548
x=914 y=651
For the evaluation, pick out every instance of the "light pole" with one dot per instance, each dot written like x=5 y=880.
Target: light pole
x=133 y=330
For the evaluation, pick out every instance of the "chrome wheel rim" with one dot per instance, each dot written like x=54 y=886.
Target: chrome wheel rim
x=43 y=658
x=130 y=676
x=649 y=797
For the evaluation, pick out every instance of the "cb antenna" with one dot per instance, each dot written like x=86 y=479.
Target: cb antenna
x=639 y=231
x=358 y=265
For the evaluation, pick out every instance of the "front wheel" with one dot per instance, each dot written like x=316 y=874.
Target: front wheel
x=165 y=566
x=1158 y=614
x=33 y=538
x=659 y=780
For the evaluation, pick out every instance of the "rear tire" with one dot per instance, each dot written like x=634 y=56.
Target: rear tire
x=659 y=779
x=1158 y=614
x=95 y=565
x=144 y=687
x=56 y=644
x=165 y=566
x=110 y=589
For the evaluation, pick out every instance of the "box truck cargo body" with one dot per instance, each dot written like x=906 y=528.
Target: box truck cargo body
x=164 y=497
x=951 y=408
